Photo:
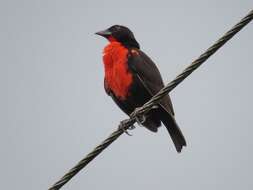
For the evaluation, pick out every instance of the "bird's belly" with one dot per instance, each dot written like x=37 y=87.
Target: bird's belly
x=136 y=98
x=119 y=82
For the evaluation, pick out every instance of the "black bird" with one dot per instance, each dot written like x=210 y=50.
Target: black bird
x=132 y=78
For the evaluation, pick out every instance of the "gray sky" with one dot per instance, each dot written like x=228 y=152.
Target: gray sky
x=54 y=109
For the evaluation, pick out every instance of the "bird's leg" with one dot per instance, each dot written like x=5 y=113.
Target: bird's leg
x=135 y=113
x=141 y=118
x=122 y=127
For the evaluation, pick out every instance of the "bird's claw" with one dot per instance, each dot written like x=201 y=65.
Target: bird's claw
x=122 y=127
x=135 y=113
x=140 y=120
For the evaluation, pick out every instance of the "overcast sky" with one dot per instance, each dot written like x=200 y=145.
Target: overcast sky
x=54 y=109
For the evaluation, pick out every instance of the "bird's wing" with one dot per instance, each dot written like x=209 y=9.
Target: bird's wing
x=149 y=75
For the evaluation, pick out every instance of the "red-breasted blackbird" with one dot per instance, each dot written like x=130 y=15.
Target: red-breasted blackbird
x=132 y=78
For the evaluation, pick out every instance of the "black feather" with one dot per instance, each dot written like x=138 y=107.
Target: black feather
x=147 y=81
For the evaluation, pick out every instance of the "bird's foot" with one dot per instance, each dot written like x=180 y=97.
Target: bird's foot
x=122 y=127
x=140 y=120
x=135 y=113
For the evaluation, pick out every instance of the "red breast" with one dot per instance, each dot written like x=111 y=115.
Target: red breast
x=118 y=78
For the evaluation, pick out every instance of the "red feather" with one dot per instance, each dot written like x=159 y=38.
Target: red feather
x=117 y=76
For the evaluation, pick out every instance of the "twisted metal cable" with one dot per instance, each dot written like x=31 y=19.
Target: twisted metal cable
x=125 y=124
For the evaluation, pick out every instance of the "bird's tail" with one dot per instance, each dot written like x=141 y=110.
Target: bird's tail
x=173 y=129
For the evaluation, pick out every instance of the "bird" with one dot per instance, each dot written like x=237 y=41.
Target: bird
x=131 y=78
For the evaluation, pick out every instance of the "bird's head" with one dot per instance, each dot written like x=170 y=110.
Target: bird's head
x=120 y=34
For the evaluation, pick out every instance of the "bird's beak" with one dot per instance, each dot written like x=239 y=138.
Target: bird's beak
x=104 y=33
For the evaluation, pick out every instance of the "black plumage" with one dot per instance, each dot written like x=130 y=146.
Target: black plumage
x=147 y=81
